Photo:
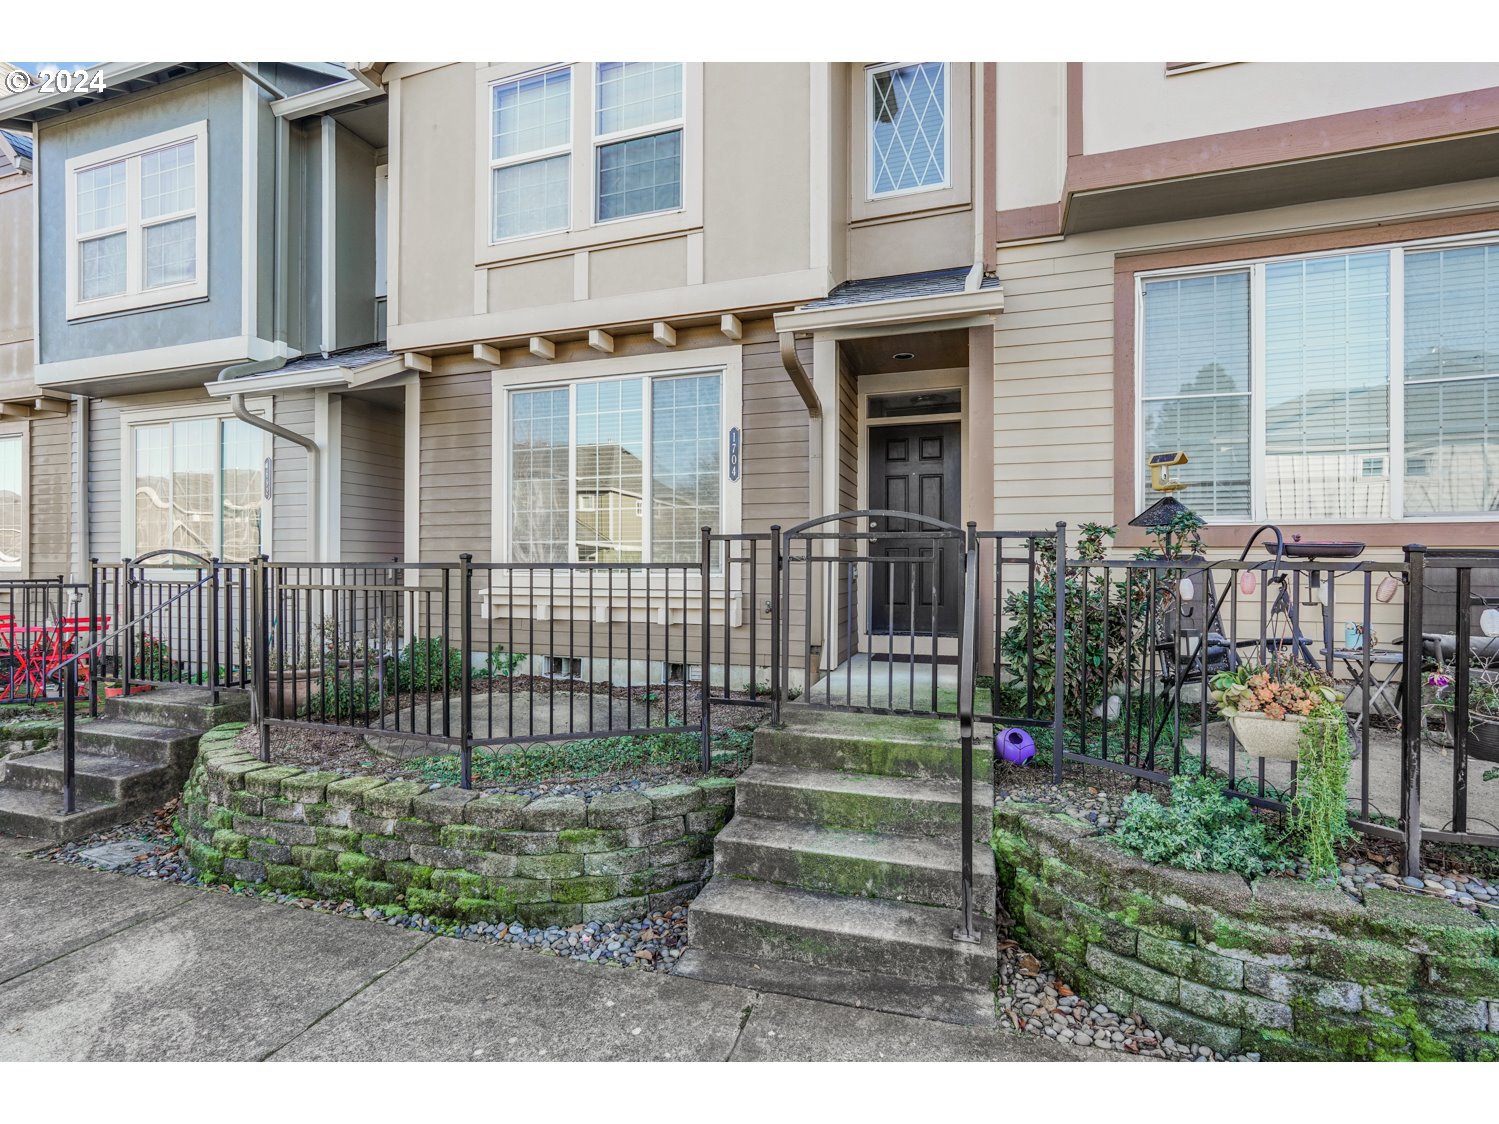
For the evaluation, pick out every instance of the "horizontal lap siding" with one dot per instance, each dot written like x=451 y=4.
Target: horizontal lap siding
x=290 y=539
x=457 y=509
x=104 y=468
x=51 y=495
x=372 y=518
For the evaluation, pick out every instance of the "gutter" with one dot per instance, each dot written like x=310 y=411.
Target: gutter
x=262 y=366
x=804 y=387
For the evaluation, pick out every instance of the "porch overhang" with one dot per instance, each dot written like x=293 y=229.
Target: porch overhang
x=850 y=318
x=364 y=369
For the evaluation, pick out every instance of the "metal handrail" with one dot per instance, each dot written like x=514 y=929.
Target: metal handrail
x=68 y=669
x=967 y=674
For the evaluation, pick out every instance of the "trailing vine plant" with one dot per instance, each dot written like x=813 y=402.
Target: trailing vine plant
x=1319 y=810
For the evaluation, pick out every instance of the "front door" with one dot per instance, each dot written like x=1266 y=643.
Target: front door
x=915 y=468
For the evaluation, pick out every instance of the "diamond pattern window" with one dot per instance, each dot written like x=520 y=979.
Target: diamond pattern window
x=907 y=128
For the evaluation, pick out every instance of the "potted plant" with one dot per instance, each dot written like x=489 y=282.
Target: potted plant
x=1268 y=708
x=1483 y=711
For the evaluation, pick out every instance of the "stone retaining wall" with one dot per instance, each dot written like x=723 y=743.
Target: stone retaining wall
x=1289 y=969
x=445 y=852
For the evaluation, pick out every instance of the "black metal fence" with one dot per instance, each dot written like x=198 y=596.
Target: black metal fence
x=1105 y=662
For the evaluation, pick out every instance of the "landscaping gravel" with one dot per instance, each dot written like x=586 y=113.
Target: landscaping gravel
x=650 y=943
x=1033 y=1001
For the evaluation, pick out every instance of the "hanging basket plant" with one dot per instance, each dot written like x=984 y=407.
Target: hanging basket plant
x=1270 y=709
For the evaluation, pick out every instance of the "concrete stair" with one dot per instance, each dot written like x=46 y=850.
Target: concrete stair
x=132 y=759
x=840 y=875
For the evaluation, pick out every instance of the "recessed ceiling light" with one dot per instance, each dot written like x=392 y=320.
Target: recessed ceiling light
x=904 y=355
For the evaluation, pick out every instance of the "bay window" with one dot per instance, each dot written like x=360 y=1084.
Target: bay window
x=137 y=223
x=199 y=485
x=1337 y=387
x=615 y=469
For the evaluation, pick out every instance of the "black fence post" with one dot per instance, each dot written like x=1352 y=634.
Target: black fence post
x=213 y=631
x=1413 y=717
x=1059 y=657
x=127 y=637
x=260 y=656
x=95 y=662
x=69 y=733
x=465 y=672
x=706 y=642
x=777 y=672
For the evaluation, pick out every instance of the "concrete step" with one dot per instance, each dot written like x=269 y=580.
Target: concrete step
x=860 y=802
x=118 y=737
x=38 y=815
x=948 y=1003
x=761 y=921
x=109 y=780
x=186 y=708
x=896 y=868
x=883 y=745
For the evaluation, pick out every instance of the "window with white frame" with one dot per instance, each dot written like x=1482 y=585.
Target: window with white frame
x=530 y=154
x=199 y=485
x=615 y=469
x=1334 y=387
x=908 y=125
x=637 y=136
x=12 y=502
x=137 y=223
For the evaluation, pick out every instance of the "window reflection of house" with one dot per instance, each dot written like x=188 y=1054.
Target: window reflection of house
x=609 y=526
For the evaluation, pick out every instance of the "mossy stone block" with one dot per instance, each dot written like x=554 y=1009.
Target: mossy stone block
x=501 y=812
x=558 y=865
x=525 y=842
x=330 y=887
x=1138 y=979
x=232 y=773
x=204 y=859
x=478 y=911
x=372 y=892
x=407 y=875
x=583 y=889
x=589 y=840
x=542 y=915
x=1097 y=927
x=443 y=805
x=553 y=813
x=429 y=903
x=359 y=865
x=1185 y=1027
x=414 y=830
x=326 y=815
x=466 y=837
x=706 y=820
x=717 y=792
x=338 y=838
x=351 y=791
x=284 y=877
x=1234 y=1008
x=619 y=809
x=245 y=803
x=267 y=782
x=393 y=798
x=490 y=864
x=367 y=824
x=232 y=843
x=517 y=889
x=673 y=799
x=384 y=848
x=314 y=858
x=1363 y=961
x=458 y=883
x=279 y=808
x=307 y=788
x=616 y=863
x=657 y=831
x=1428 y=924
x=1463 y=976
x=1190 y=962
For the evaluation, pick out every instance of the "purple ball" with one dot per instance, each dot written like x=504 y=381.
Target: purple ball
x=1014 y=745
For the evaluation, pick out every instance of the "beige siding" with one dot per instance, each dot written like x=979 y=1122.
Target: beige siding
x=456 y=439
x=104 y=468
x=290 y=539
x=372 y=468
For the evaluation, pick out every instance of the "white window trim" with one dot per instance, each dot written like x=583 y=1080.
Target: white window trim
x=726 y=362
x=534 y=155
x=583 y=233
x=21 y=434
x=130 y=420
x=1396 y=252
x=600 y=140
x=135 y=295
x=870 y=194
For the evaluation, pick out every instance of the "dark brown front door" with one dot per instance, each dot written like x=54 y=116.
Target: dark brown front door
x=915 y=468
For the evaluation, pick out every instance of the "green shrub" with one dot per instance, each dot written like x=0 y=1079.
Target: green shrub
x=1319 y=810
x=421 y=665
x=589 y=758
x=1202 y=828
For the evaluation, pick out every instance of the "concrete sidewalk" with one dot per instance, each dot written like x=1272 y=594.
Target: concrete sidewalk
x=107 y=967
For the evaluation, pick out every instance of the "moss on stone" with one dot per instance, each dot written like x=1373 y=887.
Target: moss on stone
x=429 y=903
x=287 y=879
x=307 y=788
x=558 y=865
x=408 y=875
x=372 y=892
x=596 y=889
x=338 y=838
x=466 y=837
x=458 y=883
x=590 y=840
x=473 y=911
x=314 y=858
x=232 y=844
x=359 y=865
x=333 y=887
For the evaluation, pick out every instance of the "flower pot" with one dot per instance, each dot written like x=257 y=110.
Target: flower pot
x=291 y=690
x=1277 y=739
x=1483 y=738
